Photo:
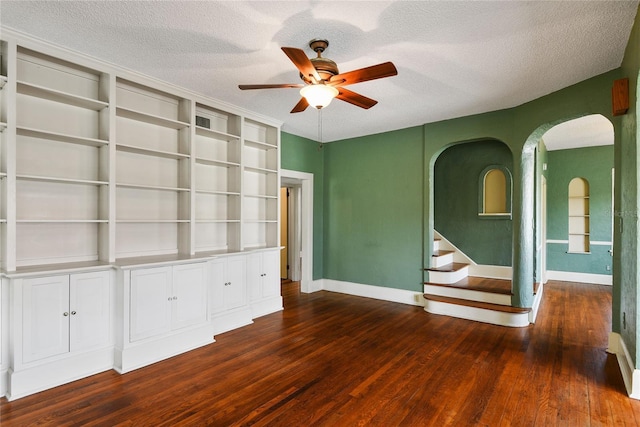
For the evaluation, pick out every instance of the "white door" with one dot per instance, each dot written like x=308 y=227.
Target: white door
x=151 y=300
x=190 y=295
x=90 y=310
x=45 y=326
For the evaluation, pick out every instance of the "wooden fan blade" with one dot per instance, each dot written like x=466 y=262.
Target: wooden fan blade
x=300 y=106
x=386 y=69
x=355 y=98
x=273 y=86
x=304 y=64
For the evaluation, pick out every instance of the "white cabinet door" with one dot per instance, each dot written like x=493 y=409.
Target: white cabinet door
x=189 y=295
x=45 y=305
x=151 y=298
x=235 y=292
x=270 y=274
x=90 y=310
x=263 y=275
x=228 y=289
x=254 y=276
x=217 y=285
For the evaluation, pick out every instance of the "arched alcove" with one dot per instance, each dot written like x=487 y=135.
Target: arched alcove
x=494 y=192
x=578 y=203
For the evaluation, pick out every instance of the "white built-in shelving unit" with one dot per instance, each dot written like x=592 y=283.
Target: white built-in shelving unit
x=109 y=167
x=140 y=212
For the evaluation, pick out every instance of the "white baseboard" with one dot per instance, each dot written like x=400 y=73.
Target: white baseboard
x=314 y=286
x=570 y=276
x=376 y=292
x=152 y=350
x=630 y=375
x=537 y=298
x=44 y=376
x=266 y=306
x=4 y=375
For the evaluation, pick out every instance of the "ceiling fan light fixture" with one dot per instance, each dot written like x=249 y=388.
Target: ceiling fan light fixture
x=319 y=95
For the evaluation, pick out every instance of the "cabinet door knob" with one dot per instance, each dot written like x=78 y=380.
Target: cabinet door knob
x=65 y=314
x=73 y=313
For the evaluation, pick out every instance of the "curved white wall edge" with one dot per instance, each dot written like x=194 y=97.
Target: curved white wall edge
x=630 y=375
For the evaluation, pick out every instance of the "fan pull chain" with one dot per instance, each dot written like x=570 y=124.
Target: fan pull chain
x=319 y=128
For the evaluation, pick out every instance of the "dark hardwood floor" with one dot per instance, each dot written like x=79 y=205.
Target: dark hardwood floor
x=337 y=360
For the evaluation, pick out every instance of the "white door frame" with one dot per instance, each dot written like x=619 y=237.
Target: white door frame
x=304 y=181
x=543 y=254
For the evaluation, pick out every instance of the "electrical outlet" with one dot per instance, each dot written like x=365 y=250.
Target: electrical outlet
x=608 y=268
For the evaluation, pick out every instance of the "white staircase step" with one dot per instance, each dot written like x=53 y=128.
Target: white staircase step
x=467 y=294
x=441 y=258
x=478 y=311
x=450 y=273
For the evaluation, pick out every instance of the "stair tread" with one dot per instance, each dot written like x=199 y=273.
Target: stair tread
x=482 y=284
x=455 y=266
x=441 y=253
x=477 y=304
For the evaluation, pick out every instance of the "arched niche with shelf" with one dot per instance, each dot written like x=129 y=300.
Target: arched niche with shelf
x=494 y=192
x=579 y=216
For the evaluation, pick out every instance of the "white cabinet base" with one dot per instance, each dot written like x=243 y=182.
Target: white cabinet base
x=47 y=375
x=232 y=319
x=149 y=351
x=266 y=306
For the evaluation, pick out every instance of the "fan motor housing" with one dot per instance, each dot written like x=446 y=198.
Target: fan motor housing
x=324 y=66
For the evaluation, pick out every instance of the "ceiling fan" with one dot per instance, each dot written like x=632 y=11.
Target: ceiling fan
x=323 y=82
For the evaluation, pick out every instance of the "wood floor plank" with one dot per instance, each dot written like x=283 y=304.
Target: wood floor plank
x=331 y=359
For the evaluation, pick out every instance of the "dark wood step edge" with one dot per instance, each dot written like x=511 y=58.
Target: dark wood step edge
x=477 y=304
x=448 y=268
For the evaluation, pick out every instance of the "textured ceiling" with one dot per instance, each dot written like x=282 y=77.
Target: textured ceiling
x=588 y=131
x=453 y=58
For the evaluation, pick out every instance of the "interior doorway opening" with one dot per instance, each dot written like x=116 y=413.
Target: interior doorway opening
x=299 y=227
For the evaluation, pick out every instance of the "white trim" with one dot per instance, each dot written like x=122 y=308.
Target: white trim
x=559 y=242
x=571 y=276
x=630 y=375
x=458 y=256
x=537 y=298
x=401 y=296
x=491 y=271
x=306 y=227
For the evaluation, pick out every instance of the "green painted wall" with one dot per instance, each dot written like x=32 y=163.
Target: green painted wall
x=456 y=191
x=594 y=164
x=375 y=187
x=373 y=210
x=304 y=155
x=626 y=275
